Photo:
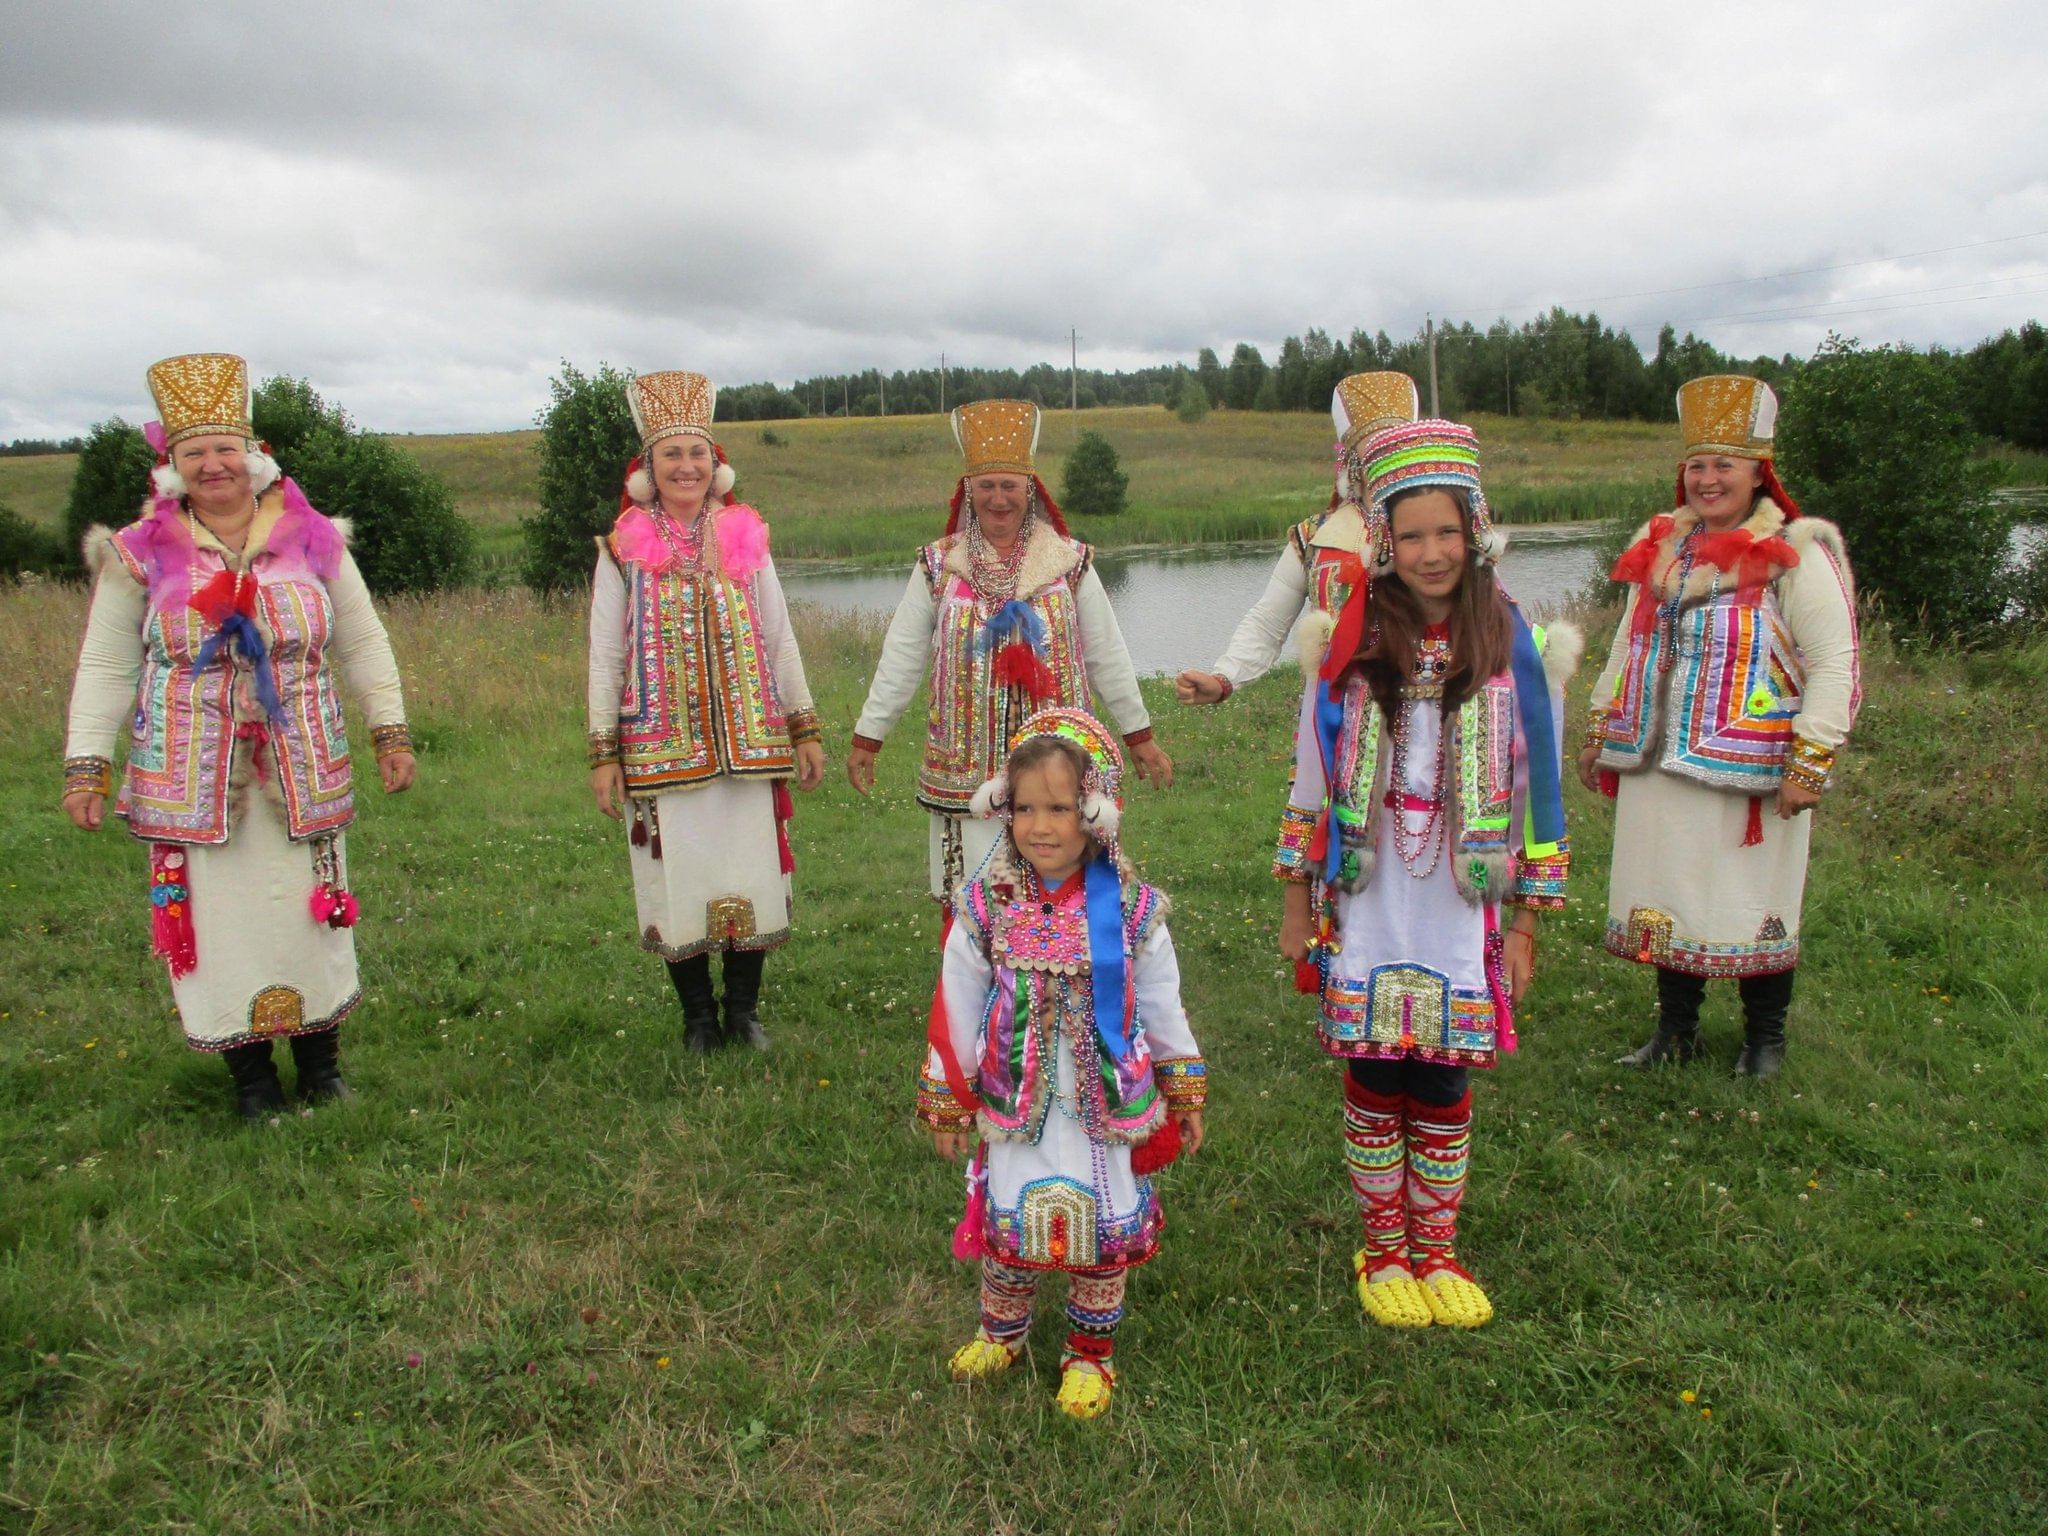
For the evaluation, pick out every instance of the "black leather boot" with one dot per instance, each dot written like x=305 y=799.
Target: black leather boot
x=692 y=978
x=258 y=1093
x=1765 y=1001
x=318 y=1058
x=742 y=996
x=1678 y=1022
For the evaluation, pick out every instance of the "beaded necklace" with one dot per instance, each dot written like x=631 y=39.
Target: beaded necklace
x=1432 y=665
x=689 y=556
x=1667 y=611
x=995 y=576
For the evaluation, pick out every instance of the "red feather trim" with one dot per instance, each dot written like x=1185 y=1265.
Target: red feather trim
x=1158 y=1149
x=1018 y=666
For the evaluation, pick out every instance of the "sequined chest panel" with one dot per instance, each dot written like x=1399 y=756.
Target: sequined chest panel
x=1479 y=763
x=1328 y=588
x=182 y=736
x=1710 y=694
x=1042 y=993
x=699 y=697
x=973 y=717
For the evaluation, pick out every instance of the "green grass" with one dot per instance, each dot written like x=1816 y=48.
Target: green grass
x=648 y=1293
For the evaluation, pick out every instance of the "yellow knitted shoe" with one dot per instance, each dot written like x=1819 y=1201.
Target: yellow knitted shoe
x=1395 y=1300
x=979 y=1358
x=1455 y=1300
x=1084 y=1392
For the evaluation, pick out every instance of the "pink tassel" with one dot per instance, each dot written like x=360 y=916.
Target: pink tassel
x=970 y=1241
x=742 y=542
x=170 y=917
x=336 y=909
x=785 y=809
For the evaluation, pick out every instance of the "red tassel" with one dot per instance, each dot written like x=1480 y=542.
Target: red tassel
x=1610 y=783
x=785 y=809
x=170 y=918
x=1158 y=1149
x=1308 y=977
x=225 y=594
x=1754 y=833
x=1018 y=666
x=639 y=833
x=940 y=1038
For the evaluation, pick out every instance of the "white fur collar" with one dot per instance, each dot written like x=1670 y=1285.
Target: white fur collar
x=1047 y=558
x=1342 y=530
x=1766 y=521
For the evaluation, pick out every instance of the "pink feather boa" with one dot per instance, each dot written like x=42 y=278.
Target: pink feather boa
x=742 y=541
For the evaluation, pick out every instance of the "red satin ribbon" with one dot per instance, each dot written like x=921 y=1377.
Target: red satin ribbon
x=1351 y=621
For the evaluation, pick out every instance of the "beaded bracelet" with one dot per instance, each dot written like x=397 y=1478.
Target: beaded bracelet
x=390 y=740
x=1810 y=765
x=1596 y=727
x=92 y=774
x=803 y=727
x=604 y=748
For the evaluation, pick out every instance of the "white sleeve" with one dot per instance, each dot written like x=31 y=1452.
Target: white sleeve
x=1819 y=609
x=1617 y=653
x=906 y=654
x=1155 y=975
x=780 y=638
x=1110 y=672
x=362 y=649
x=109 y=664
x=1310 y=785
x=1256 y=643
x=964 y=978
x=607 y=644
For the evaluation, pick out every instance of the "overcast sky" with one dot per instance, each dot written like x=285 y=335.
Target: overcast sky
x=424 y=207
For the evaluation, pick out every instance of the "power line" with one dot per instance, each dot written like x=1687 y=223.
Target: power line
x=1791 y=310
x=1845 y=266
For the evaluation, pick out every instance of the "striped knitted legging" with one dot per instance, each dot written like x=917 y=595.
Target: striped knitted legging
x=1095 y=1305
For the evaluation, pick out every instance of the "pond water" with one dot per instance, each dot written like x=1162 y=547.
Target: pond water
x=1177 y=608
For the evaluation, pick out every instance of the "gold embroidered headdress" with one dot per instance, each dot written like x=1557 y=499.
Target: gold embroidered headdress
x=1727 y=413
x=1365 y=402
x=201 y=394
x=667 y=403
x=997 y=436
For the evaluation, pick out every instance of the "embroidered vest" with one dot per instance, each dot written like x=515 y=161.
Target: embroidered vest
x=972 y=717
x=1481 y=759
x=181 y=741
x=1710 y=696
x=699 y=697
x=1328 y=590
x=1041 y=990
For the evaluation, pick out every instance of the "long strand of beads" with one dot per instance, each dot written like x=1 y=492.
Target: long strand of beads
x=1433 y=836
x=1667 y=611
x=995 y=576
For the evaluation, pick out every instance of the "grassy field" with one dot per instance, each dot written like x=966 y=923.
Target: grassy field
x=869 y=489
x=548 y=1274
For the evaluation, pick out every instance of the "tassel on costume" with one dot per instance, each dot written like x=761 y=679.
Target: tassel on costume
x=228 y=602
x=170 y=916
x=1753 y=834
x=1018 y=666
x=1158 y=1149
x=969 y=1241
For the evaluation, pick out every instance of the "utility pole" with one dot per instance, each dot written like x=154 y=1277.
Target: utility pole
x=1507 y=366
x=942 y=383
x=882 y=388
x=1074 y=375
x=1429 y=335
x=846 y=396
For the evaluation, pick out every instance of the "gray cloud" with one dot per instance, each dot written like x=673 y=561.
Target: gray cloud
x=425 y=208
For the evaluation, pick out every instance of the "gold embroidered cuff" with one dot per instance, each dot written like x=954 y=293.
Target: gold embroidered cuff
x=937 y=1107
x=1596 y=727
x=89 y=773
x=1290 y=856
x=1810 y=765
x=604 y=748
x=803 y=727
x=389 y=740
x=1539 y=884
x=1184 y=1080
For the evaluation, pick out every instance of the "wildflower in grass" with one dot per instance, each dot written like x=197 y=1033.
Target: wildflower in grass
x=1688 y=1396
x=662 y=1363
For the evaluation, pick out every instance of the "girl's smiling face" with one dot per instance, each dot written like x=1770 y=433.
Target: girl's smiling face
x=1045 y=819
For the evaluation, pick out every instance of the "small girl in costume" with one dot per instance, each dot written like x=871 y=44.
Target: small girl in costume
x=1426 y=799
x=1065 y=1041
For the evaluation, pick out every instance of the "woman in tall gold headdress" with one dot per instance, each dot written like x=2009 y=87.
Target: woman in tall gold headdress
x=1321 y=560
x=1004 y=616
x=699 y=713
x=1731 y=684
x=218 y=619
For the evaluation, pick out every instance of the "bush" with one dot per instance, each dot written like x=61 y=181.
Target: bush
x=1876 y=442
x=29 y=550
x=586 y=442
x=108 y=485
x=1093 y=485
x=406 y=534
x=1191 y=401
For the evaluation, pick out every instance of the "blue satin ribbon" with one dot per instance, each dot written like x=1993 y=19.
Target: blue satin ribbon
x=1104 y=893
x=1015 y=619
x=242 y=629
x=1539 y=736
x=1329 y=721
